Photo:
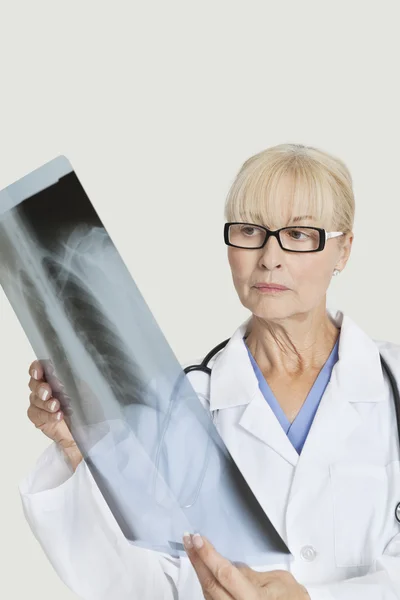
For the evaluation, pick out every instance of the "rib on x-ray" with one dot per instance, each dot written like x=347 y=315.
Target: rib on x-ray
x=150 y=445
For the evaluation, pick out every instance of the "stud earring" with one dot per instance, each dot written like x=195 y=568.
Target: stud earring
x=336 y=272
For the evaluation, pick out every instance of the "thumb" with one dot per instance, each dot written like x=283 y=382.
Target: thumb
x=253 y=576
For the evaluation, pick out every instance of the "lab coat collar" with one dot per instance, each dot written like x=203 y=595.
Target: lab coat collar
x=233 y=381
x=357 y=373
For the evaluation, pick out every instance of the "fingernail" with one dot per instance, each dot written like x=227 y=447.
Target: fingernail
x=187 y=542
x=58 y=416
x=44 y=394
x=53 y=405
x=197 y=541
x=35 y=374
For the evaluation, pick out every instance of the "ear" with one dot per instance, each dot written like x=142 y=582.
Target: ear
x=345 y=250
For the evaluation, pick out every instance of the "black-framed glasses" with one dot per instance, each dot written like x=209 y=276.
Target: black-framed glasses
x=291 y=239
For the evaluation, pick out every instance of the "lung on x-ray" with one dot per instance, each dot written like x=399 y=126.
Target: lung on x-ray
x=150 y=445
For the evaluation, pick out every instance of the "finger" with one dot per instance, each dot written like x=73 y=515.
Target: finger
x=250 y=574
x=52 y=384
x=265 y=579
x=51 y=377
x=52 y=405
x=36 y=370
x=41 y=389
x=211 y=588
x=226 y=574
x=41 y=417
x=260 y=578
x=34 y=384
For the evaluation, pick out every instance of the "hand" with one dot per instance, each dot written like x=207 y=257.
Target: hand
x=46 y=414
x=221 y=580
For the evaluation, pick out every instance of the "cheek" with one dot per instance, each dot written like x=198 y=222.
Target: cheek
x=312 y=273
x=241 y=263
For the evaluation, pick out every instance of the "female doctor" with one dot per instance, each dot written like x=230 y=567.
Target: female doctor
x=302 y=405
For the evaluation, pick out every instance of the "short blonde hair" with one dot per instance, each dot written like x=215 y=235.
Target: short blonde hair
x=292 y=180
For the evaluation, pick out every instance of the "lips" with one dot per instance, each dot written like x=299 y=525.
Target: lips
x=270 y=286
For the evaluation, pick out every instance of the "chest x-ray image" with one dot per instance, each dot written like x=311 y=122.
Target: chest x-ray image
x=150 y=445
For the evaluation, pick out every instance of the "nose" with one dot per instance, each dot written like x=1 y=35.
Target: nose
x=271 y=254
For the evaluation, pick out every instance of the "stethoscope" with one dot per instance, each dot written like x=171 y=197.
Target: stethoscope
x=395 y=390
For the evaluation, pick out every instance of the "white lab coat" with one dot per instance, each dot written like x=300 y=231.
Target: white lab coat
x=334 y=505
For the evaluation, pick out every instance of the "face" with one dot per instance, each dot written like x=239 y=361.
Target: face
x=306 y=276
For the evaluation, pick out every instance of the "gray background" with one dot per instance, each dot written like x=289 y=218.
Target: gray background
x=157 y=105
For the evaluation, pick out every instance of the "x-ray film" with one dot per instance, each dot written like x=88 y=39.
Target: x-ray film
x=150 y=445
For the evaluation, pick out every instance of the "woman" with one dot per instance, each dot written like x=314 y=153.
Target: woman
x=300 y=401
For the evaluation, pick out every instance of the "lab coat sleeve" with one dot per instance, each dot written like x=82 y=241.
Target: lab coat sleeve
x=381 y=584
x=77 y=531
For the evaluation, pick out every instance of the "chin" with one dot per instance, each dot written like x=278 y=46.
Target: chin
x=270 y=309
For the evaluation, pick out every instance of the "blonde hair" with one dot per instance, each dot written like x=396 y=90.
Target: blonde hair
x=291 y=180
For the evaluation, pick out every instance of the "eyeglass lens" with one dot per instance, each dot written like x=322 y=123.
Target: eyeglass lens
x=300 y=239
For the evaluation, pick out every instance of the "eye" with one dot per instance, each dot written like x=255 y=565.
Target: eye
x=249 y=230
x=297 y=234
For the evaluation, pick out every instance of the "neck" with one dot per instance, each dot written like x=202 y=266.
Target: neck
x=294 y=345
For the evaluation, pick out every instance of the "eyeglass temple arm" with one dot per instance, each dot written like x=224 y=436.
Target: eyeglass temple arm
x=333 y=234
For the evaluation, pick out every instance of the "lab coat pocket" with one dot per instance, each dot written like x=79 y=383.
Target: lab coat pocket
x=364 y=497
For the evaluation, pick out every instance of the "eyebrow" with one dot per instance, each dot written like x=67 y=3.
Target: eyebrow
x=303 y=218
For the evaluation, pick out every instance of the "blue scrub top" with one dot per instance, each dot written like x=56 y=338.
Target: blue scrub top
x=298 y=430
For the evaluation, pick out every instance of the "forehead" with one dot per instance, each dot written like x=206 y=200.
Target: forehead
x=282 y=200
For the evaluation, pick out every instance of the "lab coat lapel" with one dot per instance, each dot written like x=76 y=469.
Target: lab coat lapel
x=234 y=385
x=335 y=420
x=356 y=381
x=259 y=420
